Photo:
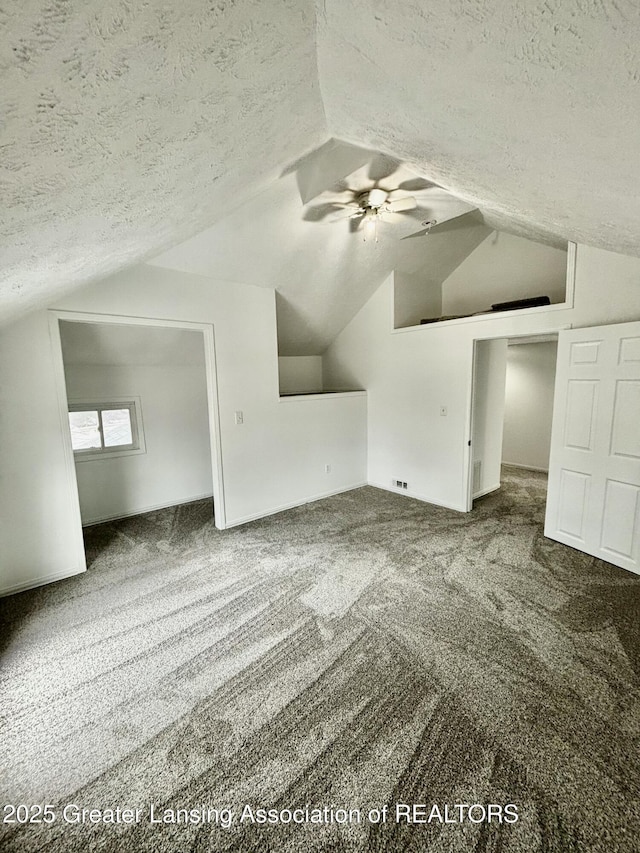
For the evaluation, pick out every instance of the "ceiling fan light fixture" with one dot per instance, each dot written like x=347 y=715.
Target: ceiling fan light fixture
x=370 y=225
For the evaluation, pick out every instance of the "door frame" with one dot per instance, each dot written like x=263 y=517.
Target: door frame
x=468 y=472
x=568 y=304
x=207 y=331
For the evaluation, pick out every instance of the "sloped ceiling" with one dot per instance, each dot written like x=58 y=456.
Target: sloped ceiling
x=130 y=127
x=322 y=269
x=529 y=108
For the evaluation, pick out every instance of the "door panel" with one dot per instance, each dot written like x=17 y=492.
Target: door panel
x=629 y=350
x=574 y=502
x=586 y=352
x=619 y=525
x=594 y=470
x=625 y=433
x=582 y=396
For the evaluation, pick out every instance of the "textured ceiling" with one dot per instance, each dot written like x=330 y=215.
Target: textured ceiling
x=129 y=126
x=126 y=125
x=528 y=108
x=322 y=269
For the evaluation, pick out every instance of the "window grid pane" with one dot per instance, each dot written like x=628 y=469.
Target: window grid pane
x=116 y=427
x=85 y=430
x=104 y=428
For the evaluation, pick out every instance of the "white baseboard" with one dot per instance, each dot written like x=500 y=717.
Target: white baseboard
x=41 y=581
x=484 y=492
x=526 y=467
x=283 y=507
x=407 y=494
x=91 y=521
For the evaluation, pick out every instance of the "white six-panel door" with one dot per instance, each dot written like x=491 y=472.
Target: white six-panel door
x=593 y=502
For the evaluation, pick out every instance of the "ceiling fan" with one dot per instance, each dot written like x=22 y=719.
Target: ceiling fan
x=397 y=198
x=373 y=206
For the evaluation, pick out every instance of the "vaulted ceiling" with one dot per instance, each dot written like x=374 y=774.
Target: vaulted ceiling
x=313 y=255
x=128 y=128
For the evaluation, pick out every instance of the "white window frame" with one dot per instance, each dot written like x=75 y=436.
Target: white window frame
x=130 y=402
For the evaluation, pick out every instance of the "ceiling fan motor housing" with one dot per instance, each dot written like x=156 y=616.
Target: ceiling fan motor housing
x=372 y=198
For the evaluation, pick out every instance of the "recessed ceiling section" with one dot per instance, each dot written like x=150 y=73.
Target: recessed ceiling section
x=386 y=193
x=312 y=252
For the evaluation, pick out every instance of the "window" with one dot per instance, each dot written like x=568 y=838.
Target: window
x=106 y=428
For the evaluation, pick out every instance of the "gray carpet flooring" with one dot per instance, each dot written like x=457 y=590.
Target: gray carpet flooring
x=356 y=653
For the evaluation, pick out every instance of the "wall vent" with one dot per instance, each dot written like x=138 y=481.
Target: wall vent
x=477 y=475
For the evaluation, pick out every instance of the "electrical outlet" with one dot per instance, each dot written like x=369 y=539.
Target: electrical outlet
x=399 y=484
x=327 y=469
x=239 y=418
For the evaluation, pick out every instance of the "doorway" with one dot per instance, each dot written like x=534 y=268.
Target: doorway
x=139 y=399
x=528 y=404
x=511 y=410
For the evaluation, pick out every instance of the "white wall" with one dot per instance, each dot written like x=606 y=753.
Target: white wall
x=271 y=461
x=176 y=465
x=415 y=298
x=410 y=373
x=531 y=370
x=501 y=269
x=39 y=512
x=300 y=374
x=418 y=286
x=488 y=414
x=276 y=458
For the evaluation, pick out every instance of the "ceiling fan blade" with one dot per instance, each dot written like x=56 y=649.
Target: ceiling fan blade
x=390 y=217
x=339 y=191
x=346 y=213
x=329 y=210
x=350 y=216
x=398 y=204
